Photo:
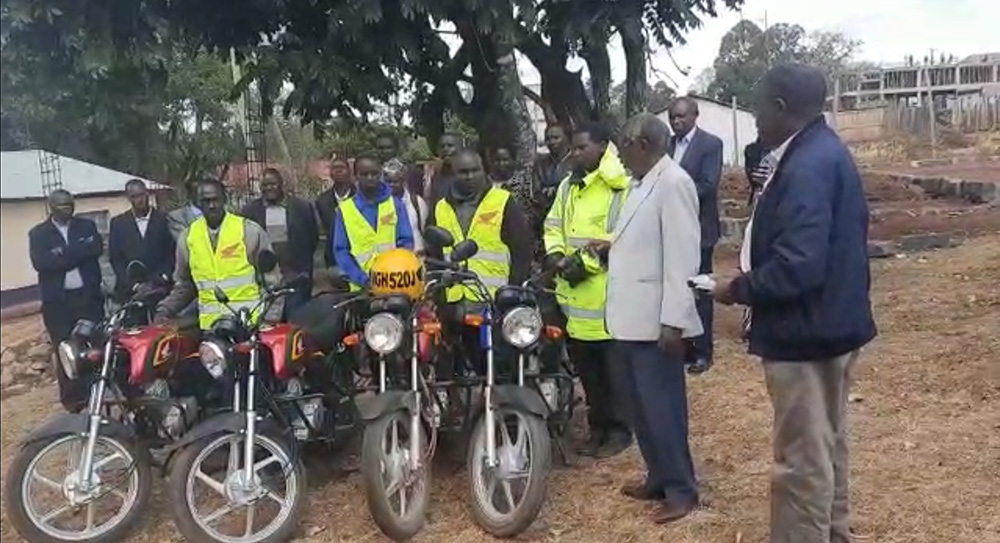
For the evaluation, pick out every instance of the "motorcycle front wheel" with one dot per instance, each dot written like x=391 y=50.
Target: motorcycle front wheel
x=213 y=502
x=103 y=512
x=507 y=497
x=397 y=495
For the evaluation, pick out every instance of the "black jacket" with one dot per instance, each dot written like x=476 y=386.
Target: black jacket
x=703 y=162
x=303 y=233
x=809 y=281
x=52 y=257
x=157 y=250
x=515 y=233
x=326 y=209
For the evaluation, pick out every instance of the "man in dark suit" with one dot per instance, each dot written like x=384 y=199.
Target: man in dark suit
x=700 y=154
x=805 y=277
x=142 y=233
x=64 y=251
x=290 y=224
x=342 y=188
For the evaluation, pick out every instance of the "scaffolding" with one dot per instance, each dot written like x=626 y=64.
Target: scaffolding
x=252 y=122
x=51 y=172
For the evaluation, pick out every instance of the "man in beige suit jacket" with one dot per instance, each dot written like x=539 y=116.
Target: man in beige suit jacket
x=651 y=310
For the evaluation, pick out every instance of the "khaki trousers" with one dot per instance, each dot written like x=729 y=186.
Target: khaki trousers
x=809 y=489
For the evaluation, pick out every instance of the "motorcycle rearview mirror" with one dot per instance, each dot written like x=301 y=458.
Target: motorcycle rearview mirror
x=220 y=296
x=136 y=272
x=438 y=237
x=266 y=261
x=465 y=250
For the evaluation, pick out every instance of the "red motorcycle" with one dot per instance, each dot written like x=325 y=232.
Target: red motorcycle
x=238 y=476
x=147 y=388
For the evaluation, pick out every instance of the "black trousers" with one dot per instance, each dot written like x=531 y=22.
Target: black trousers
x=59 y=318
x=701 y=347
x=603 y=383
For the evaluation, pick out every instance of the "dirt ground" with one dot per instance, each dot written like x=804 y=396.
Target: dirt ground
x=925 y=439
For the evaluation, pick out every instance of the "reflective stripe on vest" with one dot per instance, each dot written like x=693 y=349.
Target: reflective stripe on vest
x=583 y=305
x=367 y=242
x=226 y=267
x=492 y=261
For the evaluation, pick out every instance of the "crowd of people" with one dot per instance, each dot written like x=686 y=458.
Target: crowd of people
x=628 y=224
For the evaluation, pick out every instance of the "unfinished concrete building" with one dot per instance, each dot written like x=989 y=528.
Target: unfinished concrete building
x=974 y=76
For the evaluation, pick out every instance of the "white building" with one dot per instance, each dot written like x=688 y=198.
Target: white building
x=99 y=195
x=735 y=127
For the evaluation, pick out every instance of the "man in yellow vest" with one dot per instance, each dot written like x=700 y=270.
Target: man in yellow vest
x=371 y=222
x=473 y=209
x=218 y=250
x=586 y=206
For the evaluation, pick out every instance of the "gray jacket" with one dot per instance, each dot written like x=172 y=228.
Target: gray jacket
x=654 y=250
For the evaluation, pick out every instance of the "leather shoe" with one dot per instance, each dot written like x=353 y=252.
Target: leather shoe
x=670 y=511
x=700 y=366
x=615 y=444
x=637 y=490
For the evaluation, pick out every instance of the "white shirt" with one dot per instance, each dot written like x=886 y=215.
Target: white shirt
x=276 y=223
x=681 y=145
x=73 y=279
x=142 y=223
x=772 y=158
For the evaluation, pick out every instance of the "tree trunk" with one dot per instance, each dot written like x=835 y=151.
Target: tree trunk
x=634 y=44
x=595 y=52
x=561 y=89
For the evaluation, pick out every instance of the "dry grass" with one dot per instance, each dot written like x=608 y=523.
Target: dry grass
x=925 y=440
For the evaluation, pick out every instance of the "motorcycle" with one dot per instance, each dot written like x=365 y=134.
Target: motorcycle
x=403 y=416
x=509 y=452
x=145 y=393
x=256 y=448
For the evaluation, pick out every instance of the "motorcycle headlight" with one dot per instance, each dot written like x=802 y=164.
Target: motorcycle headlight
x=69 y=355
x=213 y=357
x=384 y=333
x=522 y=326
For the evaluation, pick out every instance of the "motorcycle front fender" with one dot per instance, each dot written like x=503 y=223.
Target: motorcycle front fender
x=77 y=423
x=519 y=398
x=373 y=407
x=228 y=423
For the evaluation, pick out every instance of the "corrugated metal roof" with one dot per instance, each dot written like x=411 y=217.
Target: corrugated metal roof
x=21 y=177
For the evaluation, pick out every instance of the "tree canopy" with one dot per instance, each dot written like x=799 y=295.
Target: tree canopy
x=104 y=71
x=747 y=51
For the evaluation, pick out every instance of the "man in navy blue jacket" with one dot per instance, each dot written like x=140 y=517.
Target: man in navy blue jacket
x=64 y=251
x=806 y=279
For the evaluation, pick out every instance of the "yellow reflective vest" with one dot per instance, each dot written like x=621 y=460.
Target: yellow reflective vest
x=492 y=261
x=580 y=213
x=367 y=242
x=227 y=267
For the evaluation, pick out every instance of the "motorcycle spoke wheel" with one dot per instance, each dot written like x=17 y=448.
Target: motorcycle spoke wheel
x=57 y=504
x=229 y=510
x=507 y=496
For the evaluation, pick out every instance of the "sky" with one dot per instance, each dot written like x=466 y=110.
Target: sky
x=889 y=30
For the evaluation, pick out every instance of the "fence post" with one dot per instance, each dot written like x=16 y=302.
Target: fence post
x=736 y=135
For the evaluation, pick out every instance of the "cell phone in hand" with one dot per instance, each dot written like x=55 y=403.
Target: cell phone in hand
x=702 y=283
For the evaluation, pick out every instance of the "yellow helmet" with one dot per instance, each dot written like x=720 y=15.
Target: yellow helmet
x=397 y=271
